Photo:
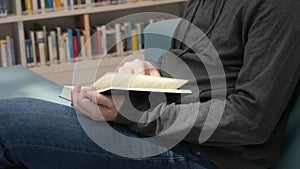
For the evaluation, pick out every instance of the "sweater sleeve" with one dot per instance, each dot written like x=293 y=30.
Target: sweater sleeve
x=263 y=87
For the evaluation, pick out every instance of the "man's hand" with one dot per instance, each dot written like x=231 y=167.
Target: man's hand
x=139 y=67
x=96 y=106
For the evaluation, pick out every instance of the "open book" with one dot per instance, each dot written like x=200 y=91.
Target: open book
x=115 y=83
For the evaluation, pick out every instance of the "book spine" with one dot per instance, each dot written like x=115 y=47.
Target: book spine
x=62 y=57
x=32 y=38
x=41 y=45
x=70 y=40
x=119 y=40
x=58 y=3
x=28 y=6
x=87 y=30
x=99 y=40
x=43 y=5
x=66 y=46
x=3 y=53
x=4 y=8
x=46 y=46
x=54 y=53
x=31 y=52
x=50 y=49
x=34 y=6
x=140 y=35
x=83 y=51
x=104 y=40
x=129 y=38
x=78 y=34
x=75 y=47
x=135 y=44
x=27 y=50
x=13 y=56
x=8 y=39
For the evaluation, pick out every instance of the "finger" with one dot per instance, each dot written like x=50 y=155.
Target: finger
x=75 y=93
x=103 y=100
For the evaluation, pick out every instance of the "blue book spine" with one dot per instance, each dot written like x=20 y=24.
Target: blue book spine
x=78 y=33
x=12 y=45
x=129 y=38
x=50 y=3
x=30 y=51
x=70 y=37
x=7 y=55
x=27 y=49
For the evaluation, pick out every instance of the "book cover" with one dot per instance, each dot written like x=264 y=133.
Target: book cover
x=124 y=83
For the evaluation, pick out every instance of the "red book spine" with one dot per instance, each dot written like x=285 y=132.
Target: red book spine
x=75 y=45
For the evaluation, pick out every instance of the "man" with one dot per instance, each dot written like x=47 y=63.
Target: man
x=257 y=41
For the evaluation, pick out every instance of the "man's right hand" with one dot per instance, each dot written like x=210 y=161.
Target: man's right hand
x=139 y=67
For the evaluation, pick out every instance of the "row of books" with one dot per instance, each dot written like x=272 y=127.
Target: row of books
x=7 y=52
x=69 y=45
x=3 y=8
x=41 y=6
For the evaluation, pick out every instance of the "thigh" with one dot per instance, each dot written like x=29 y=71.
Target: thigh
x=40 y=134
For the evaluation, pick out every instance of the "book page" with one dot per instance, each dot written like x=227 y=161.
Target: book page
x=137 y=81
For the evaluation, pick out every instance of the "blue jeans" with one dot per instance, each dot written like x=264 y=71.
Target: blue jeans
x=37 y=134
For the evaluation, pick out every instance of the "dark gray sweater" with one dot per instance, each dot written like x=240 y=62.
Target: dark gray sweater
x=258 y=44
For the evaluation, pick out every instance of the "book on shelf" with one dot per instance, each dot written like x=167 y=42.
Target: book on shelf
x=61 y=45
x=117 y=83
x=3 y=8
x=7 y=52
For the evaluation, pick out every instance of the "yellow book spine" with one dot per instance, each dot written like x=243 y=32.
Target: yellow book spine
x=135 y=42
x=29 y=5
x=58 y=4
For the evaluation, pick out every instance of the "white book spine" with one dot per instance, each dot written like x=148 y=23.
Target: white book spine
x=3 y=52
x=41 y=44
x=61 y=47
x=66 y=46
x=43 y=6
x=54 y=54
x=32 y=37
x=50 y=50
x=119 y=40
x=34 y=6
x=104 y=40
x=83 y=51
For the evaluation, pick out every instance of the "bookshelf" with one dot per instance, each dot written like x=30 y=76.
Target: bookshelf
x=17 y=24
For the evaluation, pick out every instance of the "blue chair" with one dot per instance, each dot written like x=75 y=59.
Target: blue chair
x=291 y=149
